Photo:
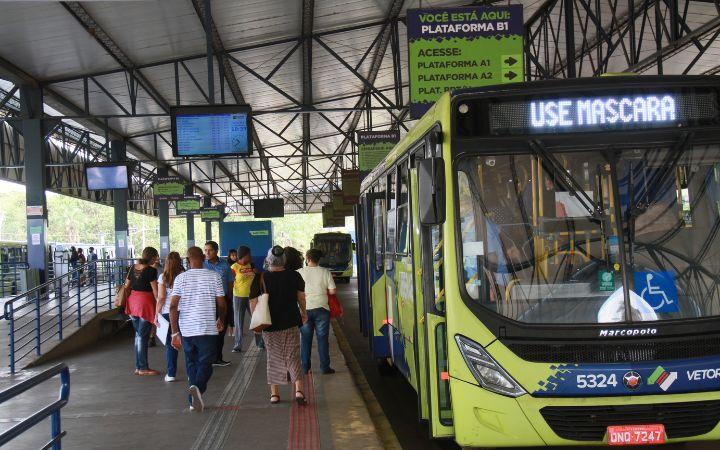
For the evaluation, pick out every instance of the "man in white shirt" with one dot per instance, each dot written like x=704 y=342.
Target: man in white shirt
x=202 y=294
x=318 y=284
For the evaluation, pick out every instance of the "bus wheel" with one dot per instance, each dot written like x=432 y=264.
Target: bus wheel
x=384 y=367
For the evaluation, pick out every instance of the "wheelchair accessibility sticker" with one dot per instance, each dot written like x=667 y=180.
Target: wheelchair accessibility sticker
x=658 y=290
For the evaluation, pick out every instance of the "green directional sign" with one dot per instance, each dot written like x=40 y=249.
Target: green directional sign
x=211 y=214
x=188 y=205
x=456 y=48
x=168 y=188
x=373 y=147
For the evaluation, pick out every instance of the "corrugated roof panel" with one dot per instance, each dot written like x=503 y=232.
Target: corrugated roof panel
x=45 y=40
x=150 y=31
x=251 y=21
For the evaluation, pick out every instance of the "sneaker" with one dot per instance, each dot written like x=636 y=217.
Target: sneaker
x=237 y=350
x=168 y=378
x=221 y=363
x=197 y=401
x=328 y=371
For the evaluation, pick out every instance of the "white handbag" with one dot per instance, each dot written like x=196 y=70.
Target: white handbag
x=261 y=319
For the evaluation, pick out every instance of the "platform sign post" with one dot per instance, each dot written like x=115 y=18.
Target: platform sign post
x=462 y=47
x=373 y=147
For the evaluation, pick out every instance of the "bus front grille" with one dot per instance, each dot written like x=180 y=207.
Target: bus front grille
x=589 y=423
x=615 y=352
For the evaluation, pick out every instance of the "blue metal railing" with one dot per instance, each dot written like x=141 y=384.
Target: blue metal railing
x=10 y=277
x=45 y=313
x=52 y=410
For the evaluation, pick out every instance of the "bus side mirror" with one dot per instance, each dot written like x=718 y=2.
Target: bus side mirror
x=431 y=191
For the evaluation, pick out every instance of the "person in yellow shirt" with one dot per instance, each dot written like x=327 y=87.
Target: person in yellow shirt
x=244 y=273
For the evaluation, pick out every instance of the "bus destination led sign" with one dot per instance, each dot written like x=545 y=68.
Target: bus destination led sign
x=600 y=111
x=616 y=111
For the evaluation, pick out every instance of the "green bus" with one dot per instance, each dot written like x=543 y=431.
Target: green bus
x=541 y=262
x=337 y=251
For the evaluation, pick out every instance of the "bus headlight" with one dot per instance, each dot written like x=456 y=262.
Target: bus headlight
x=487 y=372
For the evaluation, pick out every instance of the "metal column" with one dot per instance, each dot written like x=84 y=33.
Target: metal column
x=35 y=179
x=164 y=216
x=207 y=203
x=120 y=197
x=190 y=219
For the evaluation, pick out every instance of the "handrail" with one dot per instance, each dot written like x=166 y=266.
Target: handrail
x=50 y=310
x=51 y=410
x=70 y=275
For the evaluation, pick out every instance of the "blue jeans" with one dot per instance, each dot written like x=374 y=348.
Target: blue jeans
x=318 y=322
x=200 y=354
x=142 y=336
x=171 y=355
x=241 y=306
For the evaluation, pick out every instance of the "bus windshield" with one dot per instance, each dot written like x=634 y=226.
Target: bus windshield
x=600 y=235
x=336 y=249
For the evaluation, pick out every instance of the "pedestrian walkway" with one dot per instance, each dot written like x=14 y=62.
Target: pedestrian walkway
x=112 y=408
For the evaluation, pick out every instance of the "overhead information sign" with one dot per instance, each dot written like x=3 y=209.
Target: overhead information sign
x=455 y=48
x=188 y=205
x=168 y=188
x=624 y=111
x=373 y=147
x=330 y=219
x=350 y=186
x=212 y=214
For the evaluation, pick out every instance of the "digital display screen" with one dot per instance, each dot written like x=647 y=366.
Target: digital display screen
x=211 y=131
x=271 y=207
x=107 y=177
x=631 y=110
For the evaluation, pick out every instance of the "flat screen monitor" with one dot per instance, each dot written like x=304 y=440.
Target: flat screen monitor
x=103 y=176
x=222 y=130
x=271 y=207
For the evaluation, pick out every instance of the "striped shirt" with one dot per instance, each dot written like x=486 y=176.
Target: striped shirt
x=197 y=289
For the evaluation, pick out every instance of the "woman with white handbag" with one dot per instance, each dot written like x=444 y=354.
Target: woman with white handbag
x=281 y=293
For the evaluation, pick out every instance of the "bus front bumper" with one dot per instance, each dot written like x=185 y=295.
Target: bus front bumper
x=483 y=418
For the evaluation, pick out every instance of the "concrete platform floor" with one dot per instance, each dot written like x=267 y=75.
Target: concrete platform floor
x=112 y=408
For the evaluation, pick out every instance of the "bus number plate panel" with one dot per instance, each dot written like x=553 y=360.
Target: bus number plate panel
x=651 y=434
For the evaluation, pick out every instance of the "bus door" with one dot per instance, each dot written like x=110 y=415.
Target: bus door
x=433 y=325
x=403 y=281
x=363 y=258
x=378 y=318
x=419 y=309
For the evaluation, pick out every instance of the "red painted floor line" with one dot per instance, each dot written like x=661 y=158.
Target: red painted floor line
x=304 y=433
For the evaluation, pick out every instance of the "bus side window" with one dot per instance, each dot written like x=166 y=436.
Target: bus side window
x=436 y=243
x=390 y=231
x=378 y=230
x=403 y=210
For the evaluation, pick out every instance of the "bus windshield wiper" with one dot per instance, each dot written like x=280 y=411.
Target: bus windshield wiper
x=567 y=181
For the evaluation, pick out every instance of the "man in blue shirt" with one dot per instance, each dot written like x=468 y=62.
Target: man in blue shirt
x=221 y=266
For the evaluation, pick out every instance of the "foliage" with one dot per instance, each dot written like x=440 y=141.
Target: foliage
x=76 y=221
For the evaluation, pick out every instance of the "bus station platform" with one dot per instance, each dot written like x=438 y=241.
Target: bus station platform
x=110 y=407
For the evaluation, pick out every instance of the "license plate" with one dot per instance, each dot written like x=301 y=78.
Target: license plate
x=636 y=434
